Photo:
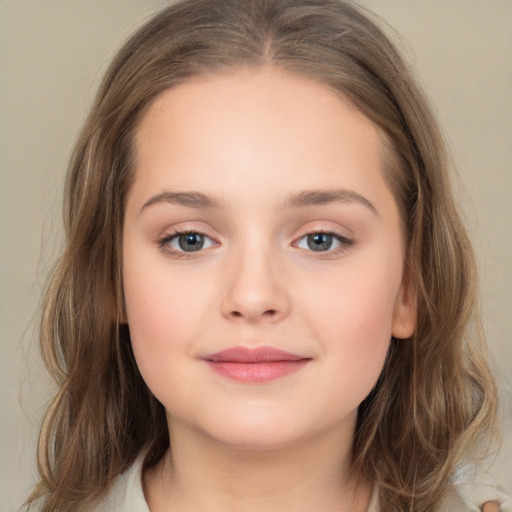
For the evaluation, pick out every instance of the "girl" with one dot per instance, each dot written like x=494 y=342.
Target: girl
x=265 y=295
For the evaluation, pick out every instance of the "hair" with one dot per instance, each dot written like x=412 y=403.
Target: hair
x=435 y=398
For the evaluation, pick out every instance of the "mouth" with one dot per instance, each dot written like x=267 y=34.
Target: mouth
x=255 y=365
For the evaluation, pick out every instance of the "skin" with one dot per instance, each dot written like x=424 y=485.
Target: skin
x=491 y=506
x=251 y=139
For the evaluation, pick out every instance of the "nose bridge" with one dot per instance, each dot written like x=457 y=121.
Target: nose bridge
x=254 y=289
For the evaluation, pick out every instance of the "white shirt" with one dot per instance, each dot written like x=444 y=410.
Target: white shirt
x=127 y=496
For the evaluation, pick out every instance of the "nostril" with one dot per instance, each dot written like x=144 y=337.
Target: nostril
x=269 y=313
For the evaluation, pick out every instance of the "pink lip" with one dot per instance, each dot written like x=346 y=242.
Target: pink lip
x=253 y=365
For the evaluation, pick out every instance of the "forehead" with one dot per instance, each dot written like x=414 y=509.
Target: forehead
x=261 y=128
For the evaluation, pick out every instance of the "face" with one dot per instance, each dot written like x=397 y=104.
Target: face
x=262 y=258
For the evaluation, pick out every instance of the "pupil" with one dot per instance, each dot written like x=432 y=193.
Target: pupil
x=191 y=242
x=319 y=241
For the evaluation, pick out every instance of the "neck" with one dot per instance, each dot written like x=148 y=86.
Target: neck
x=202 y=474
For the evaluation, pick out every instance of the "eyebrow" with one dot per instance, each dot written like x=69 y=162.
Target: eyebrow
x=190 y=199
x=324 y=197
x=304 y=199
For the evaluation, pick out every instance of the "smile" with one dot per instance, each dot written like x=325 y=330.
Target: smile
x=255 y=365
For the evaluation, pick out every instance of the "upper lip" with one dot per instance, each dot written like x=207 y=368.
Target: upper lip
x=260 y=354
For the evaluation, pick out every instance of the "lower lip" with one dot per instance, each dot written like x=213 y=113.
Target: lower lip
x=264 y=371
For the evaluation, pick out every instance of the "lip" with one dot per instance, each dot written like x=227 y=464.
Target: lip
x=255 y=364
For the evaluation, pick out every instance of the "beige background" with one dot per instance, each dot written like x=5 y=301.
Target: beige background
x=52 y=54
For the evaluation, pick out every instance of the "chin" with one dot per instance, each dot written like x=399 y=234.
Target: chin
x=265 y=432
x=256 y=440
x=253 y=432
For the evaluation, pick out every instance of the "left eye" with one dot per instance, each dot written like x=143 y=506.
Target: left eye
x=321 y=242
x=188 y=242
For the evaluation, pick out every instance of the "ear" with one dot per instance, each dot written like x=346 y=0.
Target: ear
x=405 y=310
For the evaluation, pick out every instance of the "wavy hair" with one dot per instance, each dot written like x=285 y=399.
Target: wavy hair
x=435 y=399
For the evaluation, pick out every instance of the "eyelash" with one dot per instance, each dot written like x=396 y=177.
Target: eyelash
x=344 y=242
x=163 y=243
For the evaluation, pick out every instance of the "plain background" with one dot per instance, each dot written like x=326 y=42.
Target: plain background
x=52 y=55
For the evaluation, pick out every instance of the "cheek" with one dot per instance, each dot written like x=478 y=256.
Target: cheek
x=353 y=316
x=354 y=304
x=164 y=315
x=164 y=322
x=355 y=344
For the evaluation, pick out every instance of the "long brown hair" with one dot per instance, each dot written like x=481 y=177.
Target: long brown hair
x=435 y=398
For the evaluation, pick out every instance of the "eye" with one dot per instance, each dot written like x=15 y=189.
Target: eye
x=190 y=241
x=322 y=242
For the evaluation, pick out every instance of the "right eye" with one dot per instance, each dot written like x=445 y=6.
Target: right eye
x=189 y=241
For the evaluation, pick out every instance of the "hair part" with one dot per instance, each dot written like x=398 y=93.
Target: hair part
x=435 y=398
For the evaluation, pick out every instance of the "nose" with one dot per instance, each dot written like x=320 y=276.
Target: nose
x=254 y=288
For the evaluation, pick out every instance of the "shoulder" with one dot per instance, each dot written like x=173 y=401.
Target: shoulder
x=475 y=486
x=455 y=502
x=474 y=495
x=126 y=495
x=464 y=497
x=452 y=503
